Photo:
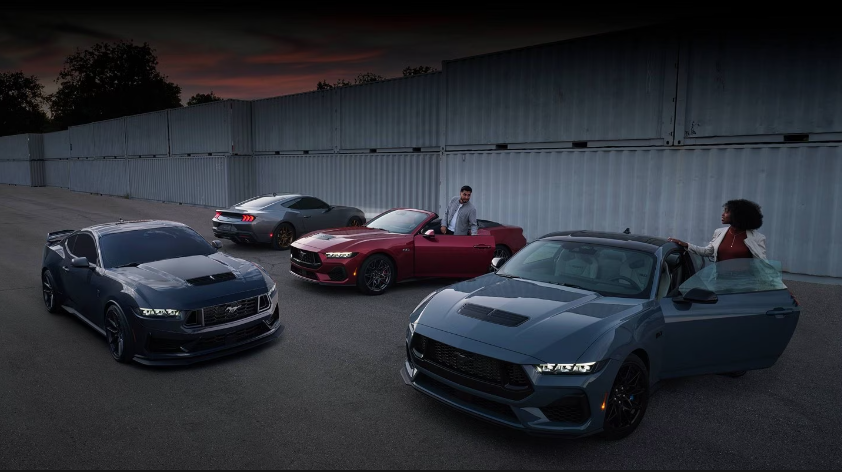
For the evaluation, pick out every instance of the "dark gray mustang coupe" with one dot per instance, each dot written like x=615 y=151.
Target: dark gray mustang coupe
x=159 y=292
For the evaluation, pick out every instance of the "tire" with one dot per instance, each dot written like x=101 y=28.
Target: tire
x=376 y=275
x=283 y=236
x=502 y=251
x=118 y=334
x=630 y=389
x=355 y=221
x=51 y=299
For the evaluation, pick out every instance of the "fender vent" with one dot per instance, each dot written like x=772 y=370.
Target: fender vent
x=483 y=313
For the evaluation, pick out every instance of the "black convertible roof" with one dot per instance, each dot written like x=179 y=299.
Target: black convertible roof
x=631 y=241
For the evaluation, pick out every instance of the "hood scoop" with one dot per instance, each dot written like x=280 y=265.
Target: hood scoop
x=323 y=236
x=491 y=315
x=212 y=279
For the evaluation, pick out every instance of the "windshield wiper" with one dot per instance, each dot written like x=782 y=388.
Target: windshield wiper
x=509 y=276
x=569 y=285
x=130 y=264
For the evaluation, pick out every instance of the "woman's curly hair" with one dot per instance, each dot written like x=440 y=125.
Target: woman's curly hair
x=745 y=214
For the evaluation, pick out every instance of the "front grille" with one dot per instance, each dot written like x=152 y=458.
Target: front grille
x=305 y=258
x=472 y=370
x=229 y=312
x=489 y=405
x=570 y=409
x=234 y=337
x=212 y=279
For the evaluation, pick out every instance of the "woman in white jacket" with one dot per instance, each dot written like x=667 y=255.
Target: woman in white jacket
x=740 y=239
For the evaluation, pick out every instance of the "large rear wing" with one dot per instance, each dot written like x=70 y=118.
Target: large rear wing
x=58 y=236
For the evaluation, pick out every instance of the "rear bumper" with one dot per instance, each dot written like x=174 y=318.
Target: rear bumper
x=244 y=232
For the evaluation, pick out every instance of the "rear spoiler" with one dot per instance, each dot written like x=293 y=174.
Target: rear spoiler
x=58 y=236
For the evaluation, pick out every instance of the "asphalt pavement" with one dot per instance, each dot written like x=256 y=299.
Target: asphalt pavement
x=328 y=393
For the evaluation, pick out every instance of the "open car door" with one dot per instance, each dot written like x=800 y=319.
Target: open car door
x=732 y=315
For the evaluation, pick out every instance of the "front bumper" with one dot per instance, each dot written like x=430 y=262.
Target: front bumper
x=559 y=406
x=158 y=345
x=314 y=267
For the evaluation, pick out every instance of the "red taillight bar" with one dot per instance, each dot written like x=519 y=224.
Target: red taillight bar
x=248 y=217
x=217 y=215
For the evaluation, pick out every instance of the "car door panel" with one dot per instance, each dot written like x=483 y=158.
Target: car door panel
x=748 y=327
x=453 y=256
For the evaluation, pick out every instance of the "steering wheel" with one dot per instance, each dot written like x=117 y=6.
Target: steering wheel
x=623 y=278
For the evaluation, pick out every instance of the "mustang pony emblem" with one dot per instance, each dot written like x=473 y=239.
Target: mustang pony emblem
x=232 y=309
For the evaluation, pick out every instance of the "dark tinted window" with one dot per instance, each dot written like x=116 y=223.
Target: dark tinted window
x=154 y=244
x=69 y=242
x=291 y=203
x=85 y=247
x=259 y=202
x=309 y=203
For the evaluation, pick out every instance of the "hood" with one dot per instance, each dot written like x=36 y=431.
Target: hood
x=545 y=321
x=191 y=282
x=343 y=238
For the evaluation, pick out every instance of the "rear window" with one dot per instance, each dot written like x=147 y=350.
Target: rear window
x=260 y=202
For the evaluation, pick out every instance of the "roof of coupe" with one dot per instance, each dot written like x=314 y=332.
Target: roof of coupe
x=122 y=226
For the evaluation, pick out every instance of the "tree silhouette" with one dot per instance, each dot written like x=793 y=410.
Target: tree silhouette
x=22 y=104
x=410 y=71
x=109 y=81
x=364 y=78
x=203 y=98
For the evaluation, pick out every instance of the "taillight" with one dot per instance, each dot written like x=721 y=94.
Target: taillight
x=794 y=300
x=248 y=218
x=217 y=215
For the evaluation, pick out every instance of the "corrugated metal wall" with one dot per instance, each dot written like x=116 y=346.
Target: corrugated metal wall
x=16 y=172
x=666 y=192
x=100 y=139
x=371 y=182
x=756 y=82
x=104 y=176
x=57 y=145
x=222 y=127
x=57 y=173
x=241 y=174
x=613 y=87
x=301 y=122
x=17 y=147
x=148 y=134
x=398 y=113
x=193 y=180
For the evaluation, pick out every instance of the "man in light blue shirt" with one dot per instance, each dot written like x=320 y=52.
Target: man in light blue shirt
x=460 y=217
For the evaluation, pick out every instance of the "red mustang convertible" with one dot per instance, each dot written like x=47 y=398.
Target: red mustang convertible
x=397 y=246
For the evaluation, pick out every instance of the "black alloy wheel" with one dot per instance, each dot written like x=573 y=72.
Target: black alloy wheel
x=627 y=401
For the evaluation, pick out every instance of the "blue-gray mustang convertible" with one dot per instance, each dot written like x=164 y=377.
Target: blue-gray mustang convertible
x=571 y=335
x=159 y=292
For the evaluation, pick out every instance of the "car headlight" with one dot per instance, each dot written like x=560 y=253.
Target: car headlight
x=340 y=255
x=273 y=291
x=159 y=313
x=556 y=369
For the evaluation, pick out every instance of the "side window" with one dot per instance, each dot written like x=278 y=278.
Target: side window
x=737 y=276
x=309 y=203
x=85 y=247
x=291 y=203
x=69 y=243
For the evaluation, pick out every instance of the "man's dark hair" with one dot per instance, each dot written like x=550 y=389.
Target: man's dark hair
x=466 y=188
x=745 y=214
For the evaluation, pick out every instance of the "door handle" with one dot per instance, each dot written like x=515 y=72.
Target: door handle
x=482 y=246
x=306 y=216
x=780 y=311
x=65 y=268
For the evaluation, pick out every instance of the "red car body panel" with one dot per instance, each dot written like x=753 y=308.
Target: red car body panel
x=414 y=255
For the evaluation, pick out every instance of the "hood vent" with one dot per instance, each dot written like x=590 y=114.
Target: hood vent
x=212 y=279
x=483 y=313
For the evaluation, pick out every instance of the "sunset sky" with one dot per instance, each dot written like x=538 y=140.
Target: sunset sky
x=252 y=53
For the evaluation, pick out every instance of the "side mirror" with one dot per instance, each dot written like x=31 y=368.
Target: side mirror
x=81 y=262
x=217 y=244
x=498 y=262
x=697 y=295
x=329 y=208
x=430 y=234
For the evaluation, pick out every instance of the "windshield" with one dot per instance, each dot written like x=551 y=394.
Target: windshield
x=259 y=202
x=398 y=221
x=607 y=270
x=152 y=244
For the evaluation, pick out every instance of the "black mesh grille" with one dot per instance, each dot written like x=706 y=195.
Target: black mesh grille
x=474 y=370
x=491 y=315
x=305 y=258
x=570 y=409
x=212 y=279
x=211 y=342
x=229 y=312
x=490 y=405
